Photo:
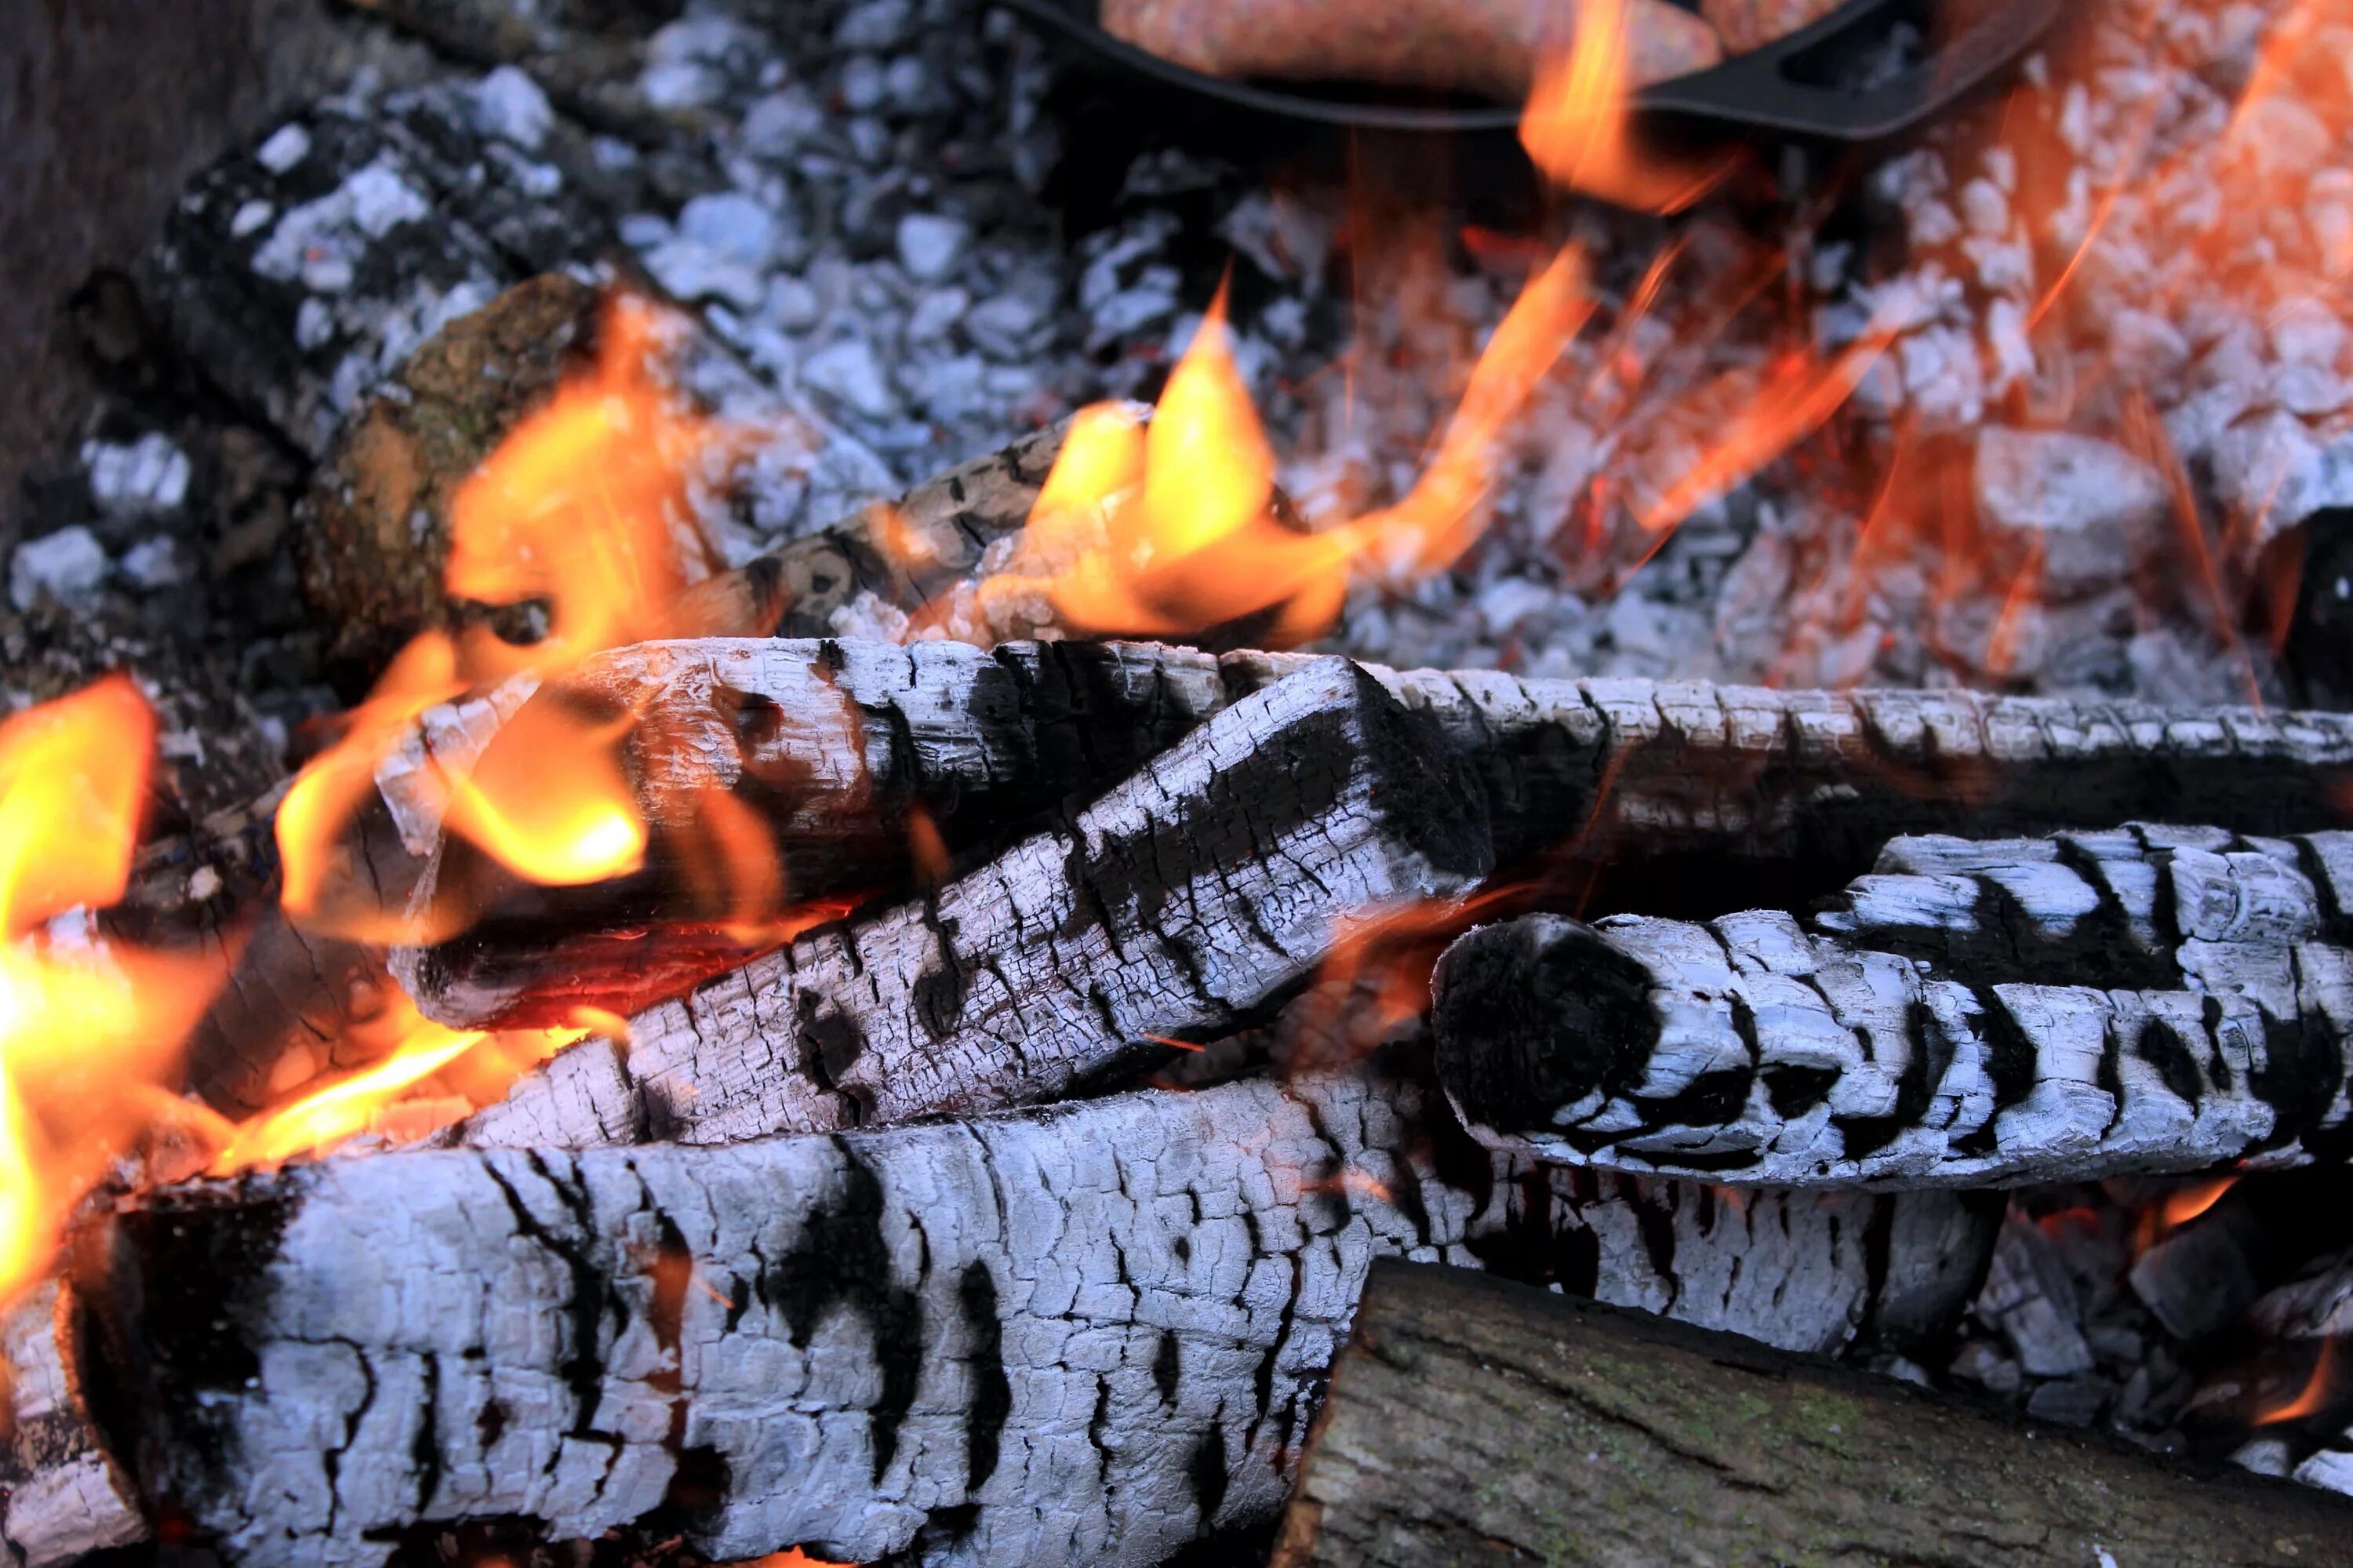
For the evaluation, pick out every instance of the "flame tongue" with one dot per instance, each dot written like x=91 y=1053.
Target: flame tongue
x=87 y=1034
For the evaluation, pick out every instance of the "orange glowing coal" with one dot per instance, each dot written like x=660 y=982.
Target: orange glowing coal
x=89 y=1031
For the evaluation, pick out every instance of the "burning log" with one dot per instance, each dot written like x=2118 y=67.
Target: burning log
x=1474 y=1420
x=858 y=759
x=1932 y=1027
x=61 y=1494
x=1681 y=784
x=1074 y=1336
x=1183 y=903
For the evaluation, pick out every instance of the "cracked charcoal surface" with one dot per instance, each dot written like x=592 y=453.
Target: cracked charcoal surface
x=1010 y=1337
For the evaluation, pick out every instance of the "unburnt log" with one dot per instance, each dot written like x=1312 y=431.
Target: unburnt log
x=860 y=760
x=1473 y=1420
x=62 y=1494
x=1073 y=1336
x=1181 y=904
x=1932 y=1026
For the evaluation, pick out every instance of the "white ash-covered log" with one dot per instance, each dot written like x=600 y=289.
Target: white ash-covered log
x=2087 y=1005
x=1080 y=1335
x=1471 y=1420
x=1182 y=905
x=62 y=1494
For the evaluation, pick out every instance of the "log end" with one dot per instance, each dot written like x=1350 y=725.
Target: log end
x=1537 y=1015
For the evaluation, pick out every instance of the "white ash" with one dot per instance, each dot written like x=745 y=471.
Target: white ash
x=67 y=567
x=136 y=478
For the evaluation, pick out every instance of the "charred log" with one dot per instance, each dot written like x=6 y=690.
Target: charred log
x=1708 y=791
x=1074 y=1336
x=1932 y=1026
x=1179 y=906
x=1472 y=1420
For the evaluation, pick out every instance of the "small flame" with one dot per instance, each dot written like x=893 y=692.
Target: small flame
x=1168 y=530
x=2186 y=1204
x=87 y=1033
x=1579 y=125
x=324 y=887
x=2318 y=1392
x=579 y=507
x=364 y=1101
x=1798 y=397
x=549 y=801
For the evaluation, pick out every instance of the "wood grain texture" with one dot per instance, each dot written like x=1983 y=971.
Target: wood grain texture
x=1074 y=1336
x=2082 y=1006
x=1181 y=904
x=1473 y=1421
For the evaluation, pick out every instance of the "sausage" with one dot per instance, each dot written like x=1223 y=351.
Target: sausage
x=1486 y=46
x=1745 y=24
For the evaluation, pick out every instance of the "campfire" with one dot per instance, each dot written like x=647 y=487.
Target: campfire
x=791 y=786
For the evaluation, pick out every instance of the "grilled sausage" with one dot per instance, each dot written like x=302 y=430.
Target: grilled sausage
x=1486 y=46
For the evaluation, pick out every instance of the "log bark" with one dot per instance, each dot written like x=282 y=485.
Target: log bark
x=1930 y=1027
x=1076 y=1336
x=1472 y=1420
x=1181 y=904
x=62 y=1495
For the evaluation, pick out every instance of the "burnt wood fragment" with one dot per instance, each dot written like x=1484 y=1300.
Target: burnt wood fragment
x=1073 y=1336
x=1474 y=1420
x=2087 y=1005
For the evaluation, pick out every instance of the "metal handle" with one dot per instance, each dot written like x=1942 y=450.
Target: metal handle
x=1758 y=88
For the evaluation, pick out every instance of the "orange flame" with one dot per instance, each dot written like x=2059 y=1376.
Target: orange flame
x=1166 y=530
x=2318 y=1390
x=2186 y=1204
x=580 y=507
x=1578 y=123
x=361 y=1102
x=87 y=1033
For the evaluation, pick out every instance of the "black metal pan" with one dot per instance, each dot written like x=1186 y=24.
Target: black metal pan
x=1843 y=78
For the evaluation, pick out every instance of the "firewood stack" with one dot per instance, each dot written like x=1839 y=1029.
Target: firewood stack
x=872 y=1245
x=1013 y=1202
